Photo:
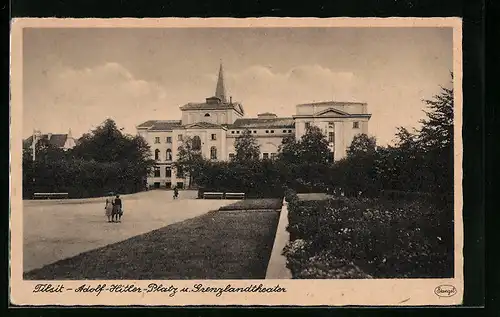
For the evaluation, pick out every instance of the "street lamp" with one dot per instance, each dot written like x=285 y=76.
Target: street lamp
x=35 y=141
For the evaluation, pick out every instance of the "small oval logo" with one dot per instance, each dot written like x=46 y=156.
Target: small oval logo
x=445 y=290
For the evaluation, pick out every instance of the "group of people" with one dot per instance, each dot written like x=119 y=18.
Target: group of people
x=114 y=209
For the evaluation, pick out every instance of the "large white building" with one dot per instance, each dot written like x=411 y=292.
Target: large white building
x=217 y=122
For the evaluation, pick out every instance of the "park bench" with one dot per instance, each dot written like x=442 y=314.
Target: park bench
x=217 y=195
x=235 y=195
x=50 y=195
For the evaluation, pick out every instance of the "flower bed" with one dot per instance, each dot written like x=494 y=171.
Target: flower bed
x=362 y=238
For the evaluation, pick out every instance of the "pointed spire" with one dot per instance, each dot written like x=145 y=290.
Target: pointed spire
x=220 y=90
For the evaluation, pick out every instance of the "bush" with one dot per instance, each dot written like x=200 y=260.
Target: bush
x=306 y=264
x=257 y=179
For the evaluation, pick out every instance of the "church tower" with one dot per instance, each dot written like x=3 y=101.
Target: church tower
x=220 y=90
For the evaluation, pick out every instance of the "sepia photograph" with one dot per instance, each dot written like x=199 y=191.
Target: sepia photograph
x=204 y=151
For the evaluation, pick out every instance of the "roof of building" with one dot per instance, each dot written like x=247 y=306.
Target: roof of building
x=331 y=102
x=147 y=124
x=203 y=125
x=213 y=106
x=263 y=123
x=267 y=114
x=160 y=125
x=57 y=140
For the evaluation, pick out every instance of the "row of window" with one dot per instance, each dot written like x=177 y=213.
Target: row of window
x=168 y=140
x=168 y=172
x=355 y=125
x=267 y=131
x=168 y=169
x=168 y=154
x=265 y=156
x=331 y=125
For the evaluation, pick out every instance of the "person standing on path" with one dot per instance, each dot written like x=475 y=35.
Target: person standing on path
x=117 y=209
x=176 y=192
x=108 y=209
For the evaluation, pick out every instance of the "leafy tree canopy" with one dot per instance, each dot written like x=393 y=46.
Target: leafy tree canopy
x=437 y=128
x=362 y=144
x=246 y=147
x=190 y=160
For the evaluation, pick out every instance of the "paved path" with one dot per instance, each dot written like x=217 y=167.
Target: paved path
x=54 y=230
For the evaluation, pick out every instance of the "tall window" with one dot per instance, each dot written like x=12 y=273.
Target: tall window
x=331 y=137
x=213 y=153
x=157 y=140
x=265 y=156
x=180 y=171
x=214 y=136
x=169 y=139
x=273 y=156
x=308 y=125
x=157 y=154
x=169 y=155
x=157 y=171
x=331 y=156
x=196 y=143
x=179 y=137
x=355 y=125
x=168 y=171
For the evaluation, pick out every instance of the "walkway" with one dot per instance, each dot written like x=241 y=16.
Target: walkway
x=54 y=230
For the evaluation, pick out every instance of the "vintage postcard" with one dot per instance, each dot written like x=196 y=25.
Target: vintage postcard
x=262 y=161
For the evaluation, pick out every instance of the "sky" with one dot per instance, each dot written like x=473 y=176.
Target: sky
x=75 y=78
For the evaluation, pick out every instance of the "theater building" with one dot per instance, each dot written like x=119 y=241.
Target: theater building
x=215 y=124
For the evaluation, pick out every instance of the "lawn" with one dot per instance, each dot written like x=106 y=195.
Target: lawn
x=212 y=246
x=255 y=204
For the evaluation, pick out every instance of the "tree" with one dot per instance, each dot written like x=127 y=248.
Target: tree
x=104 y=144
x=288 y=150
x=189 y=159
x=130 y=154
x=357 y=173
x=362 y=144
x=436 y=139
x=313 y=147
x=437 y=128
x=247 y=147
x=302 y=164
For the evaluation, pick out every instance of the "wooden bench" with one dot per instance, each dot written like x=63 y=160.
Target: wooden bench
x=217 y=195
x=235 y=195
x=50 y=195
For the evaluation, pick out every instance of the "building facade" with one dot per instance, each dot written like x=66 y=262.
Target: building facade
x=216 y=123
